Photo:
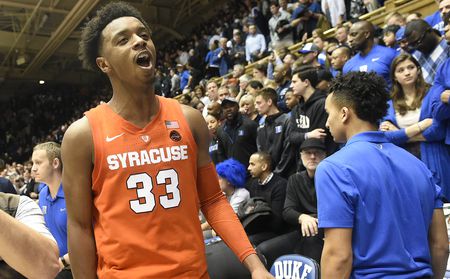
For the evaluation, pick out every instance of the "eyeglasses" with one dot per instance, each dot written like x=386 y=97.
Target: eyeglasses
x=316 y=153
x=419 y=41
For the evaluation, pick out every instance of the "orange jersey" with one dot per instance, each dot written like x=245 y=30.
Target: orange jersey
x=145 y=196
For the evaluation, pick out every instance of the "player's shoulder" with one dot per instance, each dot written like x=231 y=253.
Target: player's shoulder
x=79 y=129
x=192 y=115
x=78 y=134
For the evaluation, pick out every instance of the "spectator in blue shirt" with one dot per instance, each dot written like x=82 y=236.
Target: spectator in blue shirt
x=411 y=110
x=370 y=57
x=308 y=14
x=47 y=169
x=185 y=76
x=339 y=57
x=389 y=37
x=379 y=205
x=5 y=185
x=436 y=19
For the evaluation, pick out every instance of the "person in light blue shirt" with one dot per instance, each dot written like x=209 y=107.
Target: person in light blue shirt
x=255 y=45
x=370 y=57
x=379 y=205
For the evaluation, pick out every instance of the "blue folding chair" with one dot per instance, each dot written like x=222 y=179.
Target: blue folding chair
x=295 y=266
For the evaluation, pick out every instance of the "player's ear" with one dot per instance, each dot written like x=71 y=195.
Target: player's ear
x=345 y=113
x=102 y=64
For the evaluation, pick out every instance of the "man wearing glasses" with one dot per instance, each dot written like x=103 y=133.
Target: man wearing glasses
x=431 y=49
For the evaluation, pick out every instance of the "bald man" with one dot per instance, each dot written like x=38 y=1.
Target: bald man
x=282 y=76
x=369 y=57
x=339 y=57
x=432 y=49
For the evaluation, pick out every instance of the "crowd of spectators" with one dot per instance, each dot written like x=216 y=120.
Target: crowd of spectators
x=266 y=120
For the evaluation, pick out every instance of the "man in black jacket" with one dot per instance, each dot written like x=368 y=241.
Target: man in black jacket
x=300 y=210
x=272 y=188
x=309 y=116
x=237 y=135
x=273 y=134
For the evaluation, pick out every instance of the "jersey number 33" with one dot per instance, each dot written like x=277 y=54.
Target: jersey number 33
x=143 y=183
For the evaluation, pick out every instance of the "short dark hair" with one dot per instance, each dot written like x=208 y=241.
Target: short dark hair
x=90 y=43
x=364 y=92
x=274 y=3
x=307 y=73
x=2 y=165
x=255 y=84
x=268 y=93
x=391 y=29
x=265 y=157
x=262 y=67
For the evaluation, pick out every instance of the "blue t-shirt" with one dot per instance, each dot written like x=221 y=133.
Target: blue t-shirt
x=55 y=216
x=378 y=60
x=436 y=22
x=387 y=196
x=184 y=79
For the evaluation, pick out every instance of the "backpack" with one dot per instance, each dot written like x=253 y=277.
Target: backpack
x=255 y=215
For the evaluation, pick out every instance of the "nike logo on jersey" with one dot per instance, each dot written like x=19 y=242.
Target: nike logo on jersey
x=375 y=59
x=110 y=139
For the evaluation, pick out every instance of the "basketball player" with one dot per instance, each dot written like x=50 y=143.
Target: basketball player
x=137 y=169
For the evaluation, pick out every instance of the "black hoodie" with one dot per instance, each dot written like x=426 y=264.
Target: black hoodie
x=308 y=116
x=273 y=138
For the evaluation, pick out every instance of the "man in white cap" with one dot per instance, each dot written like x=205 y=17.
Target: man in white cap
x=310 y=53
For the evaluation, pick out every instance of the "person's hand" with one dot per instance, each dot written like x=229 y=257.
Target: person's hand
x=33 y=195
x=308 y=225
x=305 y=37
x=388 y=126
x=243 y=110
x=318 y=133
x=261 y=273
x=445 y=96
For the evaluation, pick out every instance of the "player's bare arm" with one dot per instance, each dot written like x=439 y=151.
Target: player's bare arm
x=77 y=157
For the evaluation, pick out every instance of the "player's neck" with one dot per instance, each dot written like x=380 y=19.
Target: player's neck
x=138 y=107
x=359 y=126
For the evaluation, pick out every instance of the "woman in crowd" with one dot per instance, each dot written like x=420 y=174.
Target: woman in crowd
x=247 y=108
x=260 y=73
x=232 y=178
x=409 y=121
x=215 y=151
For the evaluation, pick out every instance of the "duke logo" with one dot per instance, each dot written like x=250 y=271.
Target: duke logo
x=289 y=269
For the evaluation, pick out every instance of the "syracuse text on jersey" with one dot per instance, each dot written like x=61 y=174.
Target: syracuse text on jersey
x=147 y=157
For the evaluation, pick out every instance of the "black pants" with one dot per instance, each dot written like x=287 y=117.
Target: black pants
x=290 y=243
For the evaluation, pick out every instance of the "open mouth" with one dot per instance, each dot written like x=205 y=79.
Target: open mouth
x=143 y=59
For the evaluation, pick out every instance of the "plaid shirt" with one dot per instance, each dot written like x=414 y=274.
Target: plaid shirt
x=431 y=62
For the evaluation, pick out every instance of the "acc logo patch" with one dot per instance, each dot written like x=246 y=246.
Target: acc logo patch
x=175 y=136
